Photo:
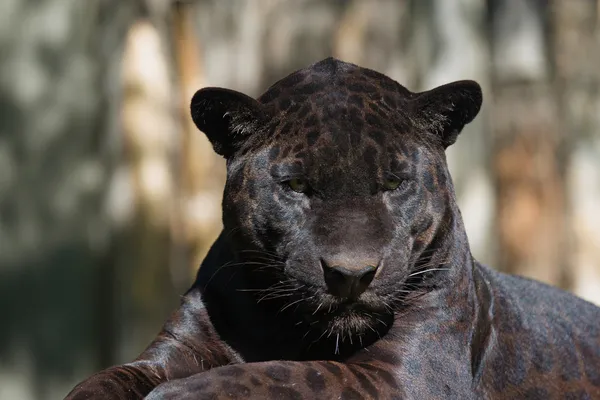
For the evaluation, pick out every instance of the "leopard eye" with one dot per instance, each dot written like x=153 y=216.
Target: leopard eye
x=298 y=185
x=391 y=183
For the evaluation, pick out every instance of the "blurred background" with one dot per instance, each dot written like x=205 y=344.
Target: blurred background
x=109 y=197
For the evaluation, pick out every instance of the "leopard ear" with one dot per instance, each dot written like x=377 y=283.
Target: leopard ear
x=226 y=117
x=446 y=109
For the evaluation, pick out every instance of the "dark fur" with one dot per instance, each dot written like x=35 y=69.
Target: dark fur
x=430 y=323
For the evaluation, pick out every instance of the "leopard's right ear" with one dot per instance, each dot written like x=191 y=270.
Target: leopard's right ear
x=226 y=117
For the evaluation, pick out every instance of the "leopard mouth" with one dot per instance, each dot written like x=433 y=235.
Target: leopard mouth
x=312 y=308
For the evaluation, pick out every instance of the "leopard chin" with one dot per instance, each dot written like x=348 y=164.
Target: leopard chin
x=350 y=320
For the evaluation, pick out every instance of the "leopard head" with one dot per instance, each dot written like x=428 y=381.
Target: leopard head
x=338 y=200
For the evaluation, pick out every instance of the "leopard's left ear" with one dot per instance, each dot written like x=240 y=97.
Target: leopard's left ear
x=446 y=109
x=227 y=118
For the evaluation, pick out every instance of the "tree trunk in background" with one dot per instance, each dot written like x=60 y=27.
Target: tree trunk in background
x=59 y=146
x=577 y=58
x=146 y=293
x=250 y=46
x=362 y=30
x=296 y=34
x=201 y=171
x=231 y=48
x=450 y=44
x=529 y=154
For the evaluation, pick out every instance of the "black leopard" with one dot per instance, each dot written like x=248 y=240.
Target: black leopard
x=344 y=271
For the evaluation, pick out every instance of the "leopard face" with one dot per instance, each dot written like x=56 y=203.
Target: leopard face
x=338 y=199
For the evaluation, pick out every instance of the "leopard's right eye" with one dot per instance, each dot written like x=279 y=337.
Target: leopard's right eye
x=298 y=185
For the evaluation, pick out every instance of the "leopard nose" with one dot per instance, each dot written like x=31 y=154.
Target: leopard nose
x=346 y=282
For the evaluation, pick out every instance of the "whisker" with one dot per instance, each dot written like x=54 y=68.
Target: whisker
x=428 y=270
x=318 y=308
x=231 y=231
x=290 y=304
x=422 y=263
x=217 y=271
x=273 y=297
x=269 y=289
x=262 y=253
x=330 y=332
x=277 y=294
x=306 y=334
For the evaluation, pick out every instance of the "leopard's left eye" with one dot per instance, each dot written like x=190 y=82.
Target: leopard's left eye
x=391 y=183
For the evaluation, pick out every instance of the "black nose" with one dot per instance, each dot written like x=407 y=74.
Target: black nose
x=347 y=282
